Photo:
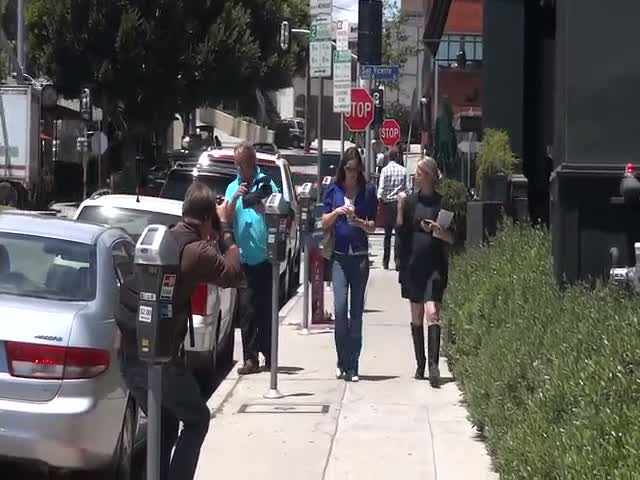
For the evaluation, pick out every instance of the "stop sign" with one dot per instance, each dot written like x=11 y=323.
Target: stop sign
x=390 y=132
x=361 y=115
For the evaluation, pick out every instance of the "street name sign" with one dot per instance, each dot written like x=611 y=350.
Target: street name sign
x=384 y=73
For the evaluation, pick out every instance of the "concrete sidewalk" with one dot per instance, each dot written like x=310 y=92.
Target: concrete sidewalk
x=387 y=426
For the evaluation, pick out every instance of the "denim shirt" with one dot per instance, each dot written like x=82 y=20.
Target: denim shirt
x=350 y=239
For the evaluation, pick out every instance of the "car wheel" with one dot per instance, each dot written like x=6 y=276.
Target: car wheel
x=121 y=465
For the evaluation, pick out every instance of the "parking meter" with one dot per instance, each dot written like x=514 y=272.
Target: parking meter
x=326 y=181
x=157 y=261
x=277 y=213
x=306 y=200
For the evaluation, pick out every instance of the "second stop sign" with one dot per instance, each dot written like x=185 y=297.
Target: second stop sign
x=390 y=132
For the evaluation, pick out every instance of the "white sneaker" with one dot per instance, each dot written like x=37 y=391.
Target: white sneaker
x=355 y=378
x=339 y=373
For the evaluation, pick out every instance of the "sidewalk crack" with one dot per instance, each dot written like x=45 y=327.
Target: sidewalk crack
x=334 y=435
x=433 y=445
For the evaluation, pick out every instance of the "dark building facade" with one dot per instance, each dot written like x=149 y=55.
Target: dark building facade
x=561 y=77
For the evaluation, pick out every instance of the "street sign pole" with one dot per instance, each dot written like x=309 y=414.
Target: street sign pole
x=320 y=98
x=341 y=135
x=342 y=76
x=369 y=141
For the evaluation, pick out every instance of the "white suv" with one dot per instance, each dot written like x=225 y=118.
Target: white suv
x=213 y=307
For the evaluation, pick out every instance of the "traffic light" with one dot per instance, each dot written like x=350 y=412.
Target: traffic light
x=378 y=106
x=285 y=36
x=86 y=107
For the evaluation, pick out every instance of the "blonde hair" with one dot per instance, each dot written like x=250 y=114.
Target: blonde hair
x=430 y=167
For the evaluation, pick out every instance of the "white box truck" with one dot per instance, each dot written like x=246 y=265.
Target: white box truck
x=26 y=180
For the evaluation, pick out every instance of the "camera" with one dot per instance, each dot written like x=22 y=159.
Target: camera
x=260 y=189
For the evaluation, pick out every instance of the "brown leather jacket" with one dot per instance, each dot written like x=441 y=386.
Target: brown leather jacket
x=202 y=262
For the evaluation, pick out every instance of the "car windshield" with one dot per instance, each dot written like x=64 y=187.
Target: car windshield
x=130 y=220
x=41 y=267
x=179 y=182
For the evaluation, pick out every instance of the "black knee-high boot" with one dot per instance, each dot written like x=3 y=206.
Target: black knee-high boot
x=417 y=333
x=433 y=345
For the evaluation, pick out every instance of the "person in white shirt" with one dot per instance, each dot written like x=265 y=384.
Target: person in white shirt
x=393 y=181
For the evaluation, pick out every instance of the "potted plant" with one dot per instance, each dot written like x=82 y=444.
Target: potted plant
x=496 y=163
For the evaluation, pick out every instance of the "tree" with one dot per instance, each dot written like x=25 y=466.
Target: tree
x=147 y=60
x=396 y=47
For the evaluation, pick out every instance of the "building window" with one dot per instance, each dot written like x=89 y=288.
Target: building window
x=450 y=46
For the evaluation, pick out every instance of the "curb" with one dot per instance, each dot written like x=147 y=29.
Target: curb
x=228 y=384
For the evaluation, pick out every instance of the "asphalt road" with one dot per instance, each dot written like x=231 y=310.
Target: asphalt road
x=16 y=471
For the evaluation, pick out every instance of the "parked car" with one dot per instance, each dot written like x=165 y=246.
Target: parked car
x=216 y=168
x=269 y=148
x=212 y=307
x=63 y=402
x=289 y=132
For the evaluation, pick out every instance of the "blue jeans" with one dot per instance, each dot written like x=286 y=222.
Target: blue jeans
x=350 y=272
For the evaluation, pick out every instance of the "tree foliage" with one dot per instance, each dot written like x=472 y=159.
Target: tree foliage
x=145 y=61
x=397 y=47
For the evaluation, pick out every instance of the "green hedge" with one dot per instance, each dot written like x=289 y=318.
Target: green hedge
x=454 y=198
x=551 y=378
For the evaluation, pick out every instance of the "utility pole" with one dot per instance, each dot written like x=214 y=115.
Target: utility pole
x=20 y=41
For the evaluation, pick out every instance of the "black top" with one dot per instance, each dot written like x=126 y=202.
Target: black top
x=422 y=257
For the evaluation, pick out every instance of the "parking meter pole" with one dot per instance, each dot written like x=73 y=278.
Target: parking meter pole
x=273 y=392
x=157 y=261
x=277 y=213
x=320 y=141
x=305 y=291
x=307 y=220
x=154 y=422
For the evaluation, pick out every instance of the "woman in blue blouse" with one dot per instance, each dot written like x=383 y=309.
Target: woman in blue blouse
x=349 y=209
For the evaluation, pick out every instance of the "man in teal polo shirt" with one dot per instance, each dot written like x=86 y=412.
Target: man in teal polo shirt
x=250 y=231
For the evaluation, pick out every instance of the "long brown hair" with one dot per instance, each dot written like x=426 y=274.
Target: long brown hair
x=351 y=153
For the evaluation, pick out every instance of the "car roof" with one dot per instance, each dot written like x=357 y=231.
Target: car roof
x=51 y=227
x=226 y=155
x=133 y=202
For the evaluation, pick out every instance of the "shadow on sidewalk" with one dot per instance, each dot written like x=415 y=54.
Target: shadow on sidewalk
x=443 y=380
x=289 y=370
x=377 y=378
x=300 y=394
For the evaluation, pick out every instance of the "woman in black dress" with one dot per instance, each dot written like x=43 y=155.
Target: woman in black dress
x=424 y=264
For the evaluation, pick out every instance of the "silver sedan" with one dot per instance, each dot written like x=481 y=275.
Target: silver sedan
x=63 y=403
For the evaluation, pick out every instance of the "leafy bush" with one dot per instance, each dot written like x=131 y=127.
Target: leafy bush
x=552 y=378
x=495 y=155
x=455 y=197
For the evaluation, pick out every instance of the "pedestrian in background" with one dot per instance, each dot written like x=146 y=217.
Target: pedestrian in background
x=393 y=182
x=424 y=264
x=349 y=212
x=249 y=223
